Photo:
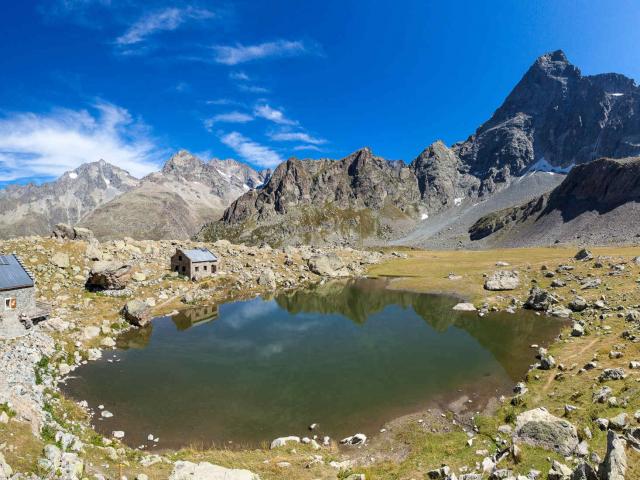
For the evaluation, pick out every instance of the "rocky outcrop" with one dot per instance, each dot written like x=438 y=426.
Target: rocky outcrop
x=594 y=204
x=67 y=232
x=360 y=196
x=175 y=202
x=106 y=275
x=614 y=465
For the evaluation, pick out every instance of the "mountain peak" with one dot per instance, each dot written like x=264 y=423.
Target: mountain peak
x=180 y=161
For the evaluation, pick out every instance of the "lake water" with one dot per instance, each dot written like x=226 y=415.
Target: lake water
x=346 y=356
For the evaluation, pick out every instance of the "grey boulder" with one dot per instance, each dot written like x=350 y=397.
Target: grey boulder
x=539 y=428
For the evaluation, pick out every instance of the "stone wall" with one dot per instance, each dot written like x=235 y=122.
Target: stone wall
x=25 y=299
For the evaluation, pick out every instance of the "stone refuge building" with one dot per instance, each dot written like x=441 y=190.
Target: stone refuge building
x=18 y=292
x=196 y=264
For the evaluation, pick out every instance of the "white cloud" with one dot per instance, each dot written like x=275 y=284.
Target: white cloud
x=168 y=19
x=239 y=76
x=233 y=55
x=307 y=147
x=47 y=145
x=272 y=114
x=296 y=137
x=251 y=151
x=230 y=117
x=252 y=88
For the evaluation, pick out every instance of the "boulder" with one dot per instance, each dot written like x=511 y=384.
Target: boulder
x=109 y=276
x=577 y=330
x=502 y=280
x=357 y=439
x=584 y=471
x=464 y=307
x=80 y=233
x=282 y=441
x=614 y=465
x=539 y=428
x=327 y=265
x=612 y=374
x=60 y=260
x=578 y=304
x=63 y=231
x=5 y=469
x=137 y=312
x=539 y=299
x=267 y=279
x=93 y=252
x=207 y=471
x=583 y=255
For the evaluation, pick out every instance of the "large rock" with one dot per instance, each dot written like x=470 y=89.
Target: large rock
x=539 y=299
x=82 y=233
x=282 y=441
x=207 y=471
x=584 y=471
x=63 y=231
x=5 y=469
x=539 y=428
x=109 y=276
x=137 y=312
x=328 y=265
x=614 y=465
x=502 y=280
x=584 y=255
x=60 y=260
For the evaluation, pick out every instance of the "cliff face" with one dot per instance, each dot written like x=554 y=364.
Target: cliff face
x=555 y=117
x=597 y=202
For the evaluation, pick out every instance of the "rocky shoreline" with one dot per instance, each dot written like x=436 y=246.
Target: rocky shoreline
x=86 y=323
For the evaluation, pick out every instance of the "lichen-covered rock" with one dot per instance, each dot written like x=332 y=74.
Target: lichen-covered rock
x=502 y=280
x=137 y=312
x=614 y=465
x=539 y=428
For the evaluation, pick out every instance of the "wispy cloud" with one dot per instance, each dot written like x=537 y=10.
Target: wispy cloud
x=236 y=54
x=307 y=147
x=168 y=19
x=272 y=114
x=230 y=117
x=239 y=76
x=252 y=88
x=296 y=137
x=251 y=151
x=37 y=146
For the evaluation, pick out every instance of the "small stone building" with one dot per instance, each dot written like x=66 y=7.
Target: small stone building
x=196 y=264
x=18 y=292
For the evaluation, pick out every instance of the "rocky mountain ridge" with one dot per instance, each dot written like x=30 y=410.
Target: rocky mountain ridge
x=553 y=119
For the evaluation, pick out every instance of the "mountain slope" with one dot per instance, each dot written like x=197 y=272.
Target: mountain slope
x=597 y=203
x=175 y=202
x=35 y=209
x=315 y=201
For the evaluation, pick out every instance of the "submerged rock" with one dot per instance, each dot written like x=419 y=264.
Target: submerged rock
x=464 y=307
x=539 y=428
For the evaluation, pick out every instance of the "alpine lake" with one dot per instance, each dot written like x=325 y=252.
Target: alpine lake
x=348 y=356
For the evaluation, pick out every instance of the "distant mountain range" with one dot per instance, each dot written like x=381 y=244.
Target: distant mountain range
x=172 y=203
x=481 y=191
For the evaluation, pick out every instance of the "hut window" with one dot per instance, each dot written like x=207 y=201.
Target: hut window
x=197 y=268
x=10 y=303
x=204 y=268
x=180 y=258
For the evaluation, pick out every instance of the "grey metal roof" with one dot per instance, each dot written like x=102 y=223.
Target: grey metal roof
x=200 y=255
x=13 y=274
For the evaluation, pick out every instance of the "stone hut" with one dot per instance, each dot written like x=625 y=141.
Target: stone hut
x=18 y=292
x=196 y=264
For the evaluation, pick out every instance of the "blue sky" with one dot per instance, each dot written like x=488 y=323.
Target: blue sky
x=260 y=81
